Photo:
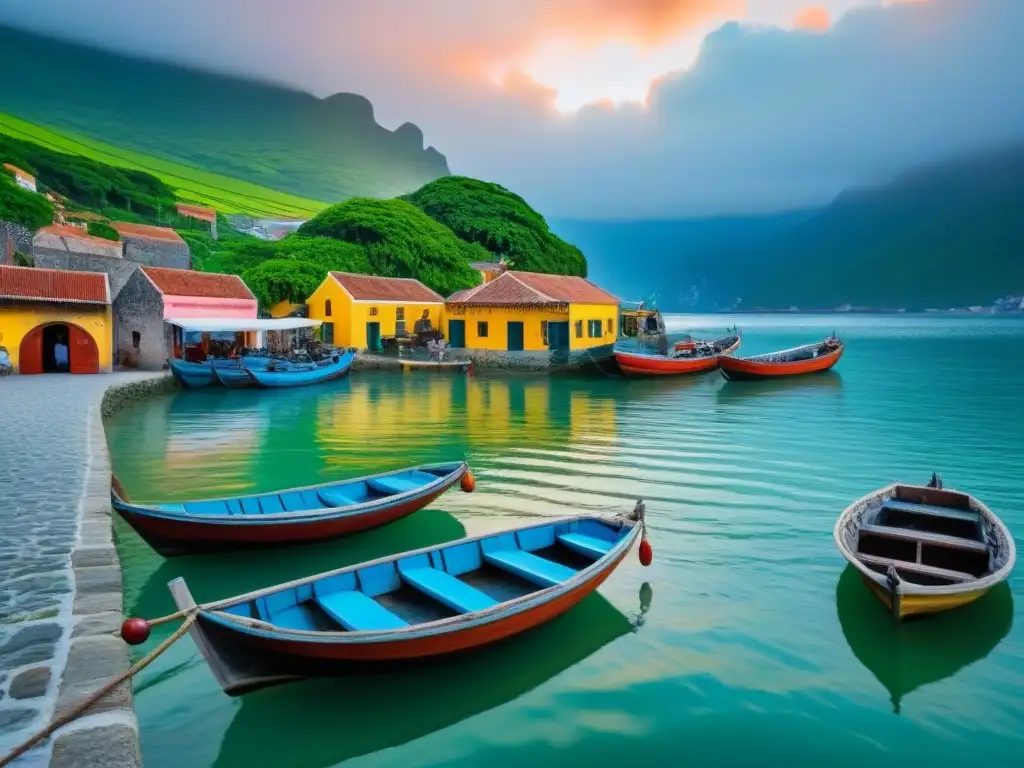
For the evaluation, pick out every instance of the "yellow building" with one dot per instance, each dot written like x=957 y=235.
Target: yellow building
x=55 y=321
x=285 y=308
x=362 y=310
x=490 y=269
x=528 y=311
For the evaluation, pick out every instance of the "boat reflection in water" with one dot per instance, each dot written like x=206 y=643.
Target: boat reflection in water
x=823 y=383
x=367 y=714
x=907 y=655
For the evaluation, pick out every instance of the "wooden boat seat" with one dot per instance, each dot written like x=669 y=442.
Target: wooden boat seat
x=447 y=589
x=590 y=546
x=902 y=534
x=534 y=569
x=358 y=613
x=931 y=510
x=924 y=570
x=335 y=497
x=410 y=481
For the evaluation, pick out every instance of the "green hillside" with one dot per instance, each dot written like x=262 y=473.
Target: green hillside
x=502 y=222
x=268 y=135
x=190 y=185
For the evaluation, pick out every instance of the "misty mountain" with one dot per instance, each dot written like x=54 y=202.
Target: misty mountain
x=947 y=235
x=329 y=149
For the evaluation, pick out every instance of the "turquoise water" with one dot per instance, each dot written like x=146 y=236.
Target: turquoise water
x=748 y=640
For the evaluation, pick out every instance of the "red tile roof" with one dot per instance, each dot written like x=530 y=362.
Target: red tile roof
x=533 y=288
x=197 y=212
x=209 y=285
x=17 y=171
x=64 y=230
x=55 y=285
x=146 y=232
x=372 y=288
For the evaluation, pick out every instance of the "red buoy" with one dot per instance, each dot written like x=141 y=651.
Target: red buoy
x=468 y=483
x=135 y=631
x=646 y=553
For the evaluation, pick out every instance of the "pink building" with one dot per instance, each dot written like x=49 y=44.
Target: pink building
x=154 y=297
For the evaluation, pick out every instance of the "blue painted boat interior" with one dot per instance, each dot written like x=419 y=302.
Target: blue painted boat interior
x=342 y=494
x=451 y=580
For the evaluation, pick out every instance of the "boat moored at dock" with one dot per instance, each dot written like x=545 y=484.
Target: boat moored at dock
x=689 y=356
x=301 y=375
x=289 y=516
x=810 y=358
x=924 y=549
x=408 y=607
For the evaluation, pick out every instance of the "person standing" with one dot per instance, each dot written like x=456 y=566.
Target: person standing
x=60 y=355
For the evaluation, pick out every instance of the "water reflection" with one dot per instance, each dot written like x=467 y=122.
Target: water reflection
x=826 y=382
x=904 y=657
x=323 y=722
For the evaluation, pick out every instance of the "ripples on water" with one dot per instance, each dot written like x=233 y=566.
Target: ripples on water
x=745 y=641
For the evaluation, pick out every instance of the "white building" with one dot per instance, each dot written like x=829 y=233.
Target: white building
x=21 y=178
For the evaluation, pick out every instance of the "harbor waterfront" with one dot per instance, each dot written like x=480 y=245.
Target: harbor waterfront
x=748 y=639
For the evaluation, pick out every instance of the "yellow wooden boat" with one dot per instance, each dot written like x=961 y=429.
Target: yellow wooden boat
x=925 y=549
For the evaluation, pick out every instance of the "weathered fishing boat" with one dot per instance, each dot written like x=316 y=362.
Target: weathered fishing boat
x=408 y=607
x=810 y=358
x=923 y=549
x=303 y=375
x=290 y=516
x=452 y=366
x=687 y=357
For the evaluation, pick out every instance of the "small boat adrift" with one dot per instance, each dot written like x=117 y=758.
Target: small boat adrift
x=292 y=375
x=439 y=366
x=408 y=607
x=686 y=357
x=923 y=549
x=811 y=358
x=290 y=516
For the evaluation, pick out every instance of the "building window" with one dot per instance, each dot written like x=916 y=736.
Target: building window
x=400 y=321
x=594 y=329
x=136 y=339
x=579 y=329
x=544 y=331
x=481 y=330
x=611 y=328
x=373 y=311
x=327 y=333
x=327 y=308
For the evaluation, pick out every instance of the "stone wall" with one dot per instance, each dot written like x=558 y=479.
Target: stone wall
x=540 y=362
x=157 y=253
x=118 y=270
x=139 y=309
x=14 y=238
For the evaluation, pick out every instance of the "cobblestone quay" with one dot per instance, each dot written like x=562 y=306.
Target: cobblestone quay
x=60 y=581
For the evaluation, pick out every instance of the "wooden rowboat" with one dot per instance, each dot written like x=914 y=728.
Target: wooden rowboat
x=303 y=375
x=453 y=366
x=703 y=357
x=810 y=358
x=290 y=516
x=408 y=607
x=922 y=549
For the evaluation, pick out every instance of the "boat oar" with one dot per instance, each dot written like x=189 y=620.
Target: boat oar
x=134 y=631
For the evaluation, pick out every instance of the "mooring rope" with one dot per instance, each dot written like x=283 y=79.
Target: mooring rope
x=80 y=708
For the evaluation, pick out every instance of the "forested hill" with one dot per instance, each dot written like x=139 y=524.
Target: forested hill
x=326 y=149
x=947 y=235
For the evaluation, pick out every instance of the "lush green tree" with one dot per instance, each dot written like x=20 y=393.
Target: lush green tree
x=283 y=279
x=104 y=230
x=21 y=206
x=400 y=241
x=500 y=221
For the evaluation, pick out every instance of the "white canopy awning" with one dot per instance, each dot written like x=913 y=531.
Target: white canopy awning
x=217 y=324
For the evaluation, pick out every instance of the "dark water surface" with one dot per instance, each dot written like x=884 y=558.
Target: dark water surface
x=747 y=641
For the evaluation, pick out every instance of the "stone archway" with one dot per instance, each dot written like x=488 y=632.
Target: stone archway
x=83 y=354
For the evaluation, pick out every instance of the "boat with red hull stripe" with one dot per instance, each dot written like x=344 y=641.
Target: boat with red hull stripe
x=411 y=607
x=290 y=516
x=641 y=364
x=810 y=358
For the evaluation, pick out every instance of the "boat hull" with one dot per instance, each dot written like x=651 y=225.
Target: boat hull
x=316 y=374
x=739 y=369
x=446 y=366
x=922 y=605
x=192 y=375
x=232 y=378
x=637 y=364
x=173 y=536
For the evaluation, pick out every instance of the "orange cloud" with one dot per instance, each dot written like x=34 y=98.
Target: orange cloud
x=646 y=22
x=813 y=19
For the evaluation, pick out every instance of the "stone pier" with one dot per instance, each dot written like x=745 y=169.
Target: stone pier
x=60 y=580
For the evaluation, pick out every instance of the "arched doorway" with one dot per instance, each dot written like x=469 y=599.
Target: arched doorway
x=40 y=353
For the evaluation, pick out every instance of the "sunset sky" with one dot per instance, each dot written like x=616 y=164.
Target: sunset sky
x=621 y=108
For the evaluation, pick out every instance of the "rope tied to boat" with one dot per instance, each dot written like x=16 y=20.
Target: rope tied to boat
x=130 y=630
x=639 y=515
